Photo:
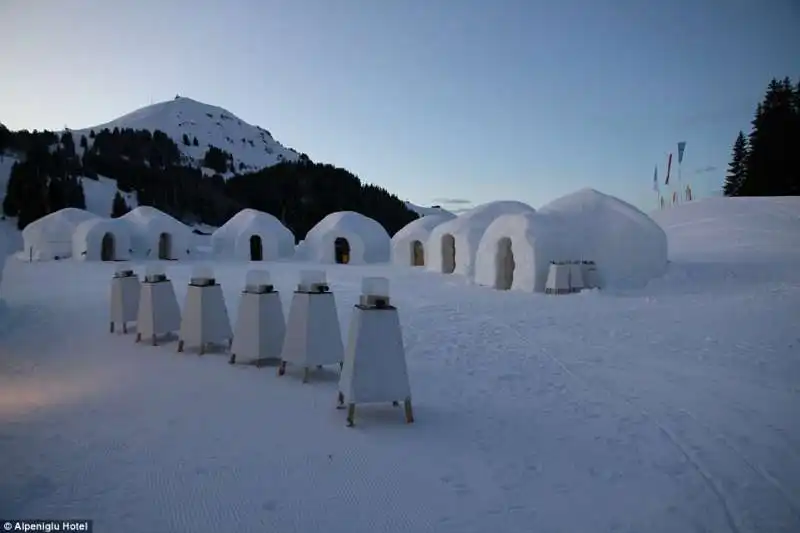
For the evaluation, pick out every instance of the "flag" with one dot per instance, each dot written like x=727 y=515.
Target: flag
x=669 y=167
x=655 y=179
x=681 y=148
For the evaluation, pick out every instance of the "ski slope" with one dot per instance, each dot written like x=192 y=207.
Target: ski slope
x=670 y=408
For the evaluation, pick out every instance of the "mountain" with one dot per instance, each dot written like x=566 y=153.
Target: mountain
x=184 y=120
x=424 y=211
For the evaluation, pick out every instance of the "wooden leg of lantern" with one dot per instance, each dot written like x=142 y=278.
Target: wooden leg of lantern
x=180 y=346
x=111 y=327
x=282 y=368
x=340 y=401
x=155 y=342
x=341 y=366
x=395 y=404
x=125 y=327
x=232 y=360
x=138 y=337
x=409 y=411
x=351 y=413
x=305 y=375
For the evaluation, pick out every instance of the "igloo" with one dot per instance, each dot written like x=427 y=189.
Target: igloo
x=156 y=235
x=252 y=236
x=628 y=247
x=408 y=244
x=50 y=237
x=102 y=239
x=516 y=250
x=452 y=246
x=347 y=238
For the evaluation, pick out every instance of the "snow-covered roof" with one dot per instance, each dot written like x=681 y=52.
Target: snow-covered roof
x=627 y=245
x=145 y=215
x=51 y=236
x=467 y=230
x=232 y=238
x=148 y=223
x=416 y=230
x=368 y=240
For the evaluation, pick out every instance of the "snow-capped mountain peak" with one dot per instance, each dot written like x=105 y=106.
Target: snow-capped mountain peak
x=186 y=120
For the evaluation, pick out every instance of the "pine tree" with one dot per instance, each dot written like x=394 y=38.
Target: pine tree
x=737 y=168
x=186 y=140
x=119 y=207
x=84 y=142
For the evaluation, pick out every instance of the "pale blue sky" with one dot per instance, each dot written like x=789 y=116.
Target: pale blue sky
x=466 y=99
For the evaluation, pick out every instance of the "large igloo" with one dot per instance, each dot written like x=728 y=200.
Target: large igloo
x=102 y=239
x=516 y=250
x=50 y=237
x=628 y=247
x=252 y=235
x=452 y=245
x=156 y=235
x=346 y=238
x=408 y=244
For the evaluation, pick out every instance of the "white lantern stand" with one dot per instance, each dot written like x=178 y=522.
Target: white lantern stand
x=557 y=278
x=125 y=290
x=576 y=276
x=205 y=316
x=260 y=324
x=374 y=367
x=313 y=335
x=159 y=313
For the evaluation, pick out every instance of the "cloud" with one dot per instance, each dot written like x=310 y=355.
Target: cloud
x=705 y=170
x=452 y=201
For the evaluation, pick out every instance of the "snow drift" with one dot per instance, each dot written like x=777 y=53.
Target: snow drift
x=156 y=235
x=102 y=239
x=346 y=237
x=516 y=250
x=629 y=248
x=408 y=244
x=252 y=235
x=50 y=237
x=451 y=246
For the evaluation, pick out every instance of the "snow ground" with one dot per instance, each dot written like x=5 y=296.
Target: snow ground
x=671 y=408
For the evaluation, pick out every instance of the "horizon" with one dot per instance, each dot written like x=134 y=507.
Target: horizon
x=398 y=94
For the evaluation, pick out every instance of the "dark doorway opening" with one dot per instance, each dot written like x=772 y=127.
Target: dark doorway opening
x=504 y=265
x=165 y=246
x=448 y=254
x=256 y=248
x=108 y=248
x=417 y=254
x=341 y=250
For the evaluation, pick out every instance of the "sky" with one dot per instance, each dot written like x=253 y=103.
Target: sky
x=450 y=102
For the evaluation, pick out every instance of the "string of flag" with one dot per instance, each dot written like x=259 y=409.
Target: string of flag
x=686 y=194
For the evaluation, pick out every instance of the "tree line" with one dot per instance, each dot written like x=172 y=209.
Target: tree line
x=49 y=167
x=766 y=162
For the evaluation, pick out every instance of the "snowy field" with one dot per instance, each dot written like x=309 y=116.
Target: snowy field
x=667 y=409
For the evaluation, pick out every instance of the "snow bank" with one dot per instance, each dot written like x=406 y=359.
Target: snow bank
x=250 y=232
x=415 y=235
x=758 y=229
x=366 y=240
x=532 y=240
x=628 y=246
x=50 y=237
x=102 y=239
x=451 y=246
x=156 y=235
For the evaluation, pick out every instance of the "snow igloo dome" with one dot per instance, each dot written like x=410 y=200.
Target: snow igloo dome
x=253 y=235
x=346 y=237
x=408 y=244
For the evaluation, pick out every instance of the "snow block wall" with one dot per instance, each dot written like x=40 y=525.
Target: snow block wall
x=252 y=236
x=628 y=246
x=515 y=251
x=50 y=237
x=451 y=246
x=156 y=235
x=409 y=244
x=102 y=239
x=362 y=239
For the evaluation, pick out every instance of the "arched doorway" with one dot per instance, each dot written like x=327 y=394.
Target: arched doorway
x=108 y=248
x=417 y=254
x=341 y=250
x=504 y=265
x=165 y=246
x=448 y=254
x=256 y=248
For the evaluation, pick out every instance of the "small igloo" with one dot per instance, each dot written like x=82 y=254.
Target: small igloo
x=102 y=239
x=252 y=236
x=156 y=235
x=346 y=238
x=408 y=244
x=50 y=237
x=516 y=250
x=628 y=247
x=452 y=245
